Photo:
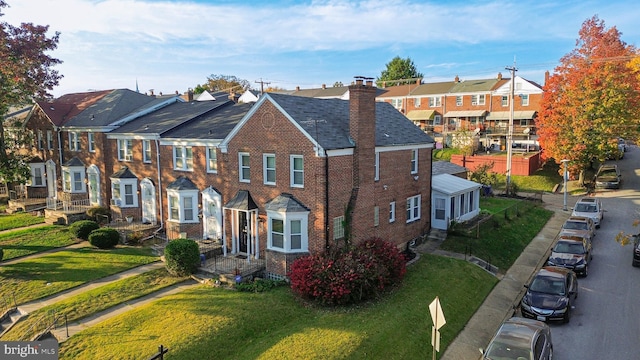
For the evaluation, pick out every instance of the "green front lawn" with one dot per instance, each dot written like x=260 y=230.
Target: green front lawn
x=213 y=323
x=98 y=299
x=46 y=275
x=23 y=242
x=501 y=244
x=13 y=221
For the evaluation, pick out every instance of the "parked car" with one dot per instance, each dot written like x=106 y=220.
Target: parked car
x=550 y=294
x=579 y=226
x=608 y=177
x=589 y=207
x=520 y=338
x=572 y=252
x=636 y=250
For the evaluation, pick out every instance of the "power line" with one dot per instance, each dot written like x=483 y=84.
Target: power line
x=262 y=83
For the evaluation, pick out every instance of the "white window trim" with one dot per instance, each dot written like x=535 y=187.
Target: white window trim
x=74 y=141
x=49 y=140
x=392 y=211
x=91 y=141
x=287 y=218
x=121 y=185
x=181 y=195
x=461 y=98
x=293 y=171
x=524 y=98
x=376 y=176
x=414 y=203
x=123 y=146
x=43 y=181
x=93 y=170
x=414 y=161
x=146 y=151
x=242 y=166
x=71 y=170
x=187 y=163
x=266 y=168
x=209 y=159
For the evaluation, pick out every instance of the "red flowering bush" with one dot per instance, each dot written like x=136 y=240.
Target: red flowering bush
x=351 y=276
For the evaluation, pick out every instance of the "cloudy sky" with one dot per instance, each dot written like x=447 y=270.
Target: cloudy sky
x=172 y=45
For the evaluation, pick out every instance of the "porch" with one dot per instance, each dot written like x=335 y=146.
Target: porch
x=20 y=199
x=65 y=212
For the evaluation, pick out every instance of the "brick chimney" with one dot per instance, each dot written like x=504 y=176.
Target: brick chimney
x=499 y=76
x=297 y=88
x=324 y=86
x=546 y=77
x=457 y=79
x=362 y=128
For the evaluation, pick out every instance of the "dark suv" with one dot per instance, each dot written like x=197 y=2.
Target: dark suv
x=636 y=250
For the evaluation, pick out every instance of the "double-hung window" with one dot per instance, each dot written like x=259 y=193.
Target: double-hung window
x=478 y=99
x=37 y=174
x=212 y=160
x=414 y=161
x=49 y=139
x=524 y=98
x=376 y=175
x=459 y=100
x=125 y=149
x=413 y=208
x=124 y=192
x=74 y=141
x=183 y=206
x=505 y=101
x=392 y=211
x=287 y=232
x=91 y=140
x=435 y=101
x=146 y=151
x=73 y=179
x=416 y=102
x=40 y=140
x=244 y=169
x=183 y=158
x=297 y=171
x=338 y=227
x=269 y=169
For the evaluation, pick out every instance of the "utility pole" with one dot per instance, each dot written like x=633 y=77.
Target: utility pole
x=262 y=83
x=510 y=129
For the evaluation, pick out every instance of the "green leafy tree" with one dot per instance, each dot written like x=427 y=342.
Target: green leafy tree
x=398 y=72
x=591 y=98
x=226 y=83
x=25 y=74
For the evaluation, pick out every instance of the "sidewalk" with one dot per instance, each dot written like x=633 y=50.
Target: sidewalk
x=499 y=305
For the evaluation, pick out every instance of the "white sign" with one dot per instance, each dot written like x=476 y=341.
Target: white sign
x=437 y=316
x=435 y=338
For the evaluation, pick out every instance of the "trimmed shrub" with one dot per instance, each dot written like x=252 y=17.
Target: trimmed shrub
x=182 y=257
x=104 y=238
x=98 y=213
x=81 y=229
x=260 y=285
x=350 y=277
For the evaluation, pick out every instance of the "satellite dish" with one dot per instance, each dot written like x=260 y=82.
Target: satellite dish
x=526 y=130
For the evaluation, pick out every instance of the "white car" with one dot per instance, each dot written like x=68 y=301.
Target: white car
x=589 y=207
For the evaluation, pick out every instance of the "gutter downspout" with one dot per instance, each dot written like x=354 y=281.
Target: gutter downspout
x=57 y=129
x=159 y=193
x=326 y=200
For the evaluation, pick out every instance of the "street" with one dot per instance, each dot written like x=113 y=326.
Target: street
x=605 y=323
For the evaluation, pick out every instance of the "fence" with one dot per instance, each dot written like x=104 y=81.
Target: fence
x=4 y=191
x=7 y=303
x=44 y=324
x=69 y=206
x=485 y=222
x=160 y=354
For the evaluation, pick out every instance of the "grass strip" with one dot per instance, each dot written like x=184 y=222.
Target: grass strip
x=17 y=220
x=25 y=242
x=96 y=300
x=212 y=323
x=501 y=241
x=46 y=275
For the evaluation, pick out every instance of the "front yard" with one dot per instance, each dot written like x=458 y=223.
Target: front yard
x=17 y=220
x=23 y=242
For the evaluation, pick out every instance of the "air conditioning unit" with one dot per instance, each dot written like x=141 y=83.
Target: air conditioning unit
x=128 y=158
x=116 y=202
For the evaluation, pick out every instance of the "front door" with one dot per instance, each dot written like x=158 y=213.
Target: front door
x=51 y=179
x=439 y=213
x=243 y=227
x=212 y=216
x=148 y=191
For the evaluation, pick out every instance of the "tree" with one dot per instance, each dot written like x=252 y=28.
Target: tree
x=398 y=72
x=591 y=98
x=25 y=74
x=226 y=83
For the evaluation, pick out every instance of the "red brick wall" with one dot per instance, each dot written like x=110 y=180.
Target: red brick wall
x=520 y=164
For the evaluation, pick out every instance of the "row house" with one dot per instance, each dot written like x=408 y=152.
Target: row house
x=274 y=180
x=481 y=106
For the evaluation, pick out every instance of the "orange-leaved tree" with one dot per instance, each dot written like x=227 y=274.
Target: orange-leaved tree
x=591 y=98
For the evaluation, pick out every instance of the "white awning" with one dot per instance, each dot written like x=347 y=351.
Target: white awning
x=517 y=115
x=465 y=114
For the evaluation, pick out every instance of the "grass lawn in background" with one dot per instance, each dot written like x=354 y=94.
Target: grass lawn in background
x=23 y=242
x=96 y=300
x=213 y=323
x=501 y=245
x=12 y=221
x=46 y=275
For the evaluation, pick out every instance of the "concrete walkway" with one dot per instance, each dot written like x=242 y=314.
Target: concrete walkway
x=501 y=302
